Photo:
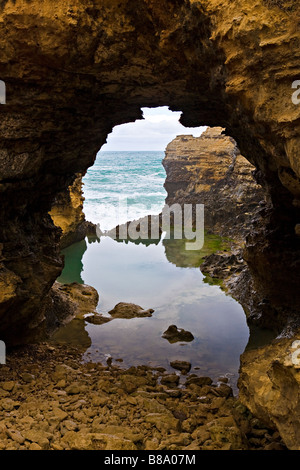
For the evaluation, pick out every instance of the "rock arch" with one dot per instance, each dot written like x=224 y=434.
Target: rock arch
x=74 y=69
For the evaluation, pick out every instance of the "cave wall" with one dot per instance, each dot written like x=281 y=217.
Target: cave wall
x=67 y=214
x=74 y=69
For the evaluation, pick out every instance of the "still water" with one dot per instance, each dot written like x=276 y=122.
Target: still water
x=166 y=278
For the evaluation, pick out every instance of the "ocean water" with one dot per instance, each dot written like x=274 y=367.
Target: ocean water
x=159 y=275
x=131 y=181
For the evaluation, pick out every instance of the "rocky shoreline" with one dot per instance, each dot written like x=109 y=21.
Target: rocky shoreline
x=51 y=400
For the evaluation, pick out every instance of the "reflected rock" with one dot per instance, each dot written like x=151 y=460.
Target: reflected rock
x=146 y=230
x=97 y=319
x=74 y=335
x=183 y=366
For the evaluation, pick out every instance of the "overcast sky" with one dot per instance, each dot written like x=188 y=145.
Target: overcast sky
x=159 y=127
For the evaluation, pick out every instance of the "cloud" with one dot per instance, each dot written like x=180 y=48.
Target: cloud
x=159 y=128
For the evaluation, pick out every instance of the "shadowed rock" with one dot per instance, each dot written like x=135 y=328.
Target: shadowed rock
x=183 y=366
x=97 y=319
x=174 y=334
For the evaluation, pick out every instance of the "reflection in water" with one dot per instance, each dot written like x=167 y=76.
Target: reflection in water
x=74 y=334
x=177 y=254
x=166 y=278
x=73 y=263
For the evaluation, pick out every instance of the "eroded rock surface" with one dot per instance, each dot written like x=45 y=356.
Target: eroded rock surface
x=210 y=170
x=67 y=214
x=68 y=301
x=269 y=385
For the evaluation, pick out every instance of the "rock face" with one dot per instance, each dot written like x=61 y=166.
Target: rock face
x=269 y=386
x=82 y=68
x=66 y=302
x=210 y=170
x=67 y=214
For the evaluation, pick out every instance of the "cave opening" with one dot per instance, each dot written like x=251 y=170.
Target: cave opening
x=128 y=170
x=152 y=274
x=81 y=69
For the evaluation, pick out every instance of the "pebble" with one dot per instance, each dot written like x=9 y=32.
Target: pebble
x=116 y=409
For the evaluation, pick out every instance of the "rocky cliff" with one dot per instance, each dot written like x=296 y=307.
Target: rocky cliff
x=67 y=214
x=210 y=170
x=75 y=69
x=269 y=385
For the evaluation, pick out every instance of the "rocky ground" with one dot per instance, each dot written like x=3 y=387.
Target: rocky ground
x=49 y=399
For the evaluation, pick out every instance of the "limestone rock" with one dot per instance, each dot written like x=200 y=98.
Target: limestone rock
x=174 y=334
x=200 y=381
x=96 y=441
x=128 y=310
x=67 y=301
x=163 y=422
x=269 y=386
x=67 y=214
x=170 y=380
x=210 y=170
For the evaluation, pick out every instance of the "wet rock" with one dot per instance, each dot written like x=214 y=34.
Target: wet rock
x=174 y=335
x=128 y=310
x=225 y=380
x=183 y=366
x=179 y=414
x=199 y=381
x=223 y=390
